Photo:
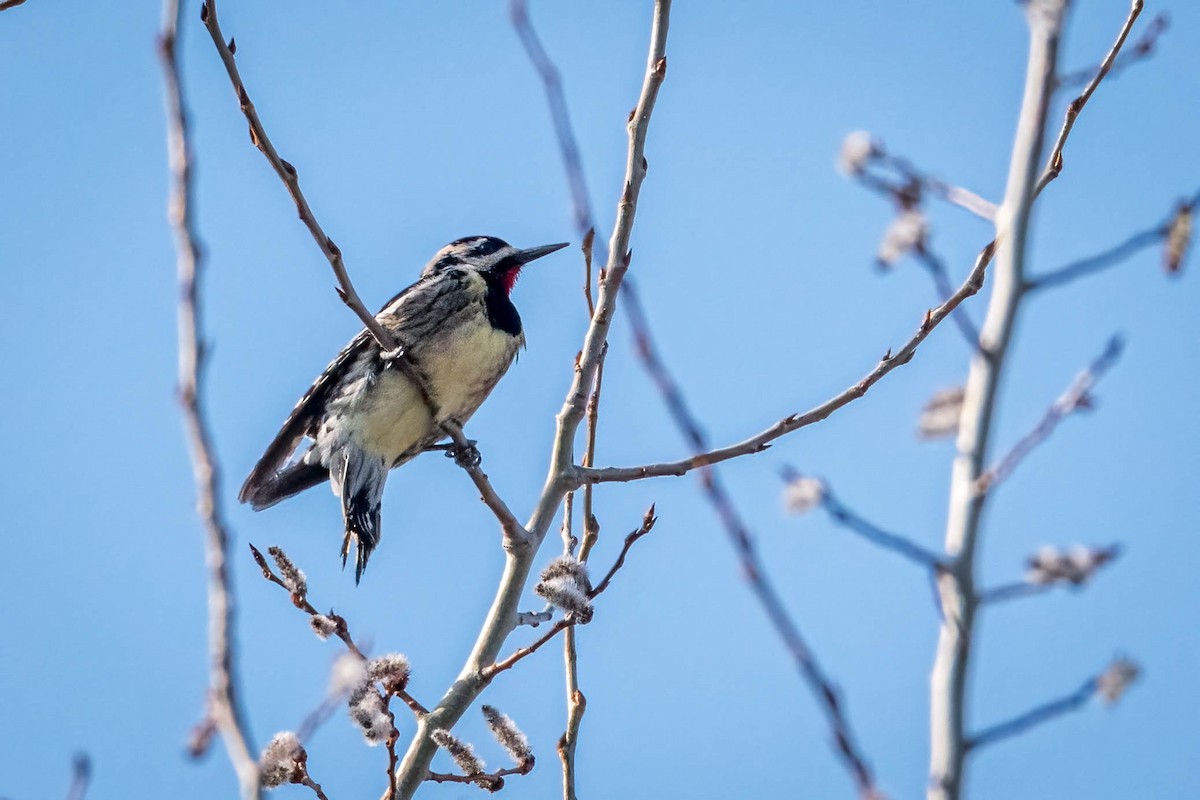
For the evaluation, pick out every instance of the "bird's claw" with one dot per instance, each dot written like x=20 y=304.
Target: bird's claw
x=466 y=456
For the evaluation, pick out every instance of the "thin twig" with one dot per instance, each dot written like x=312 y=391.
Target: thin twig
x=1036 y=716
x=316 y=787
x=794 y=422
x=7 y=4
x=224 y=709
x=81 y=769
x=955 y=195
x=936 y=267
x=570 y=620
x=753 y=569
x=300 y=601
x=1054 y=164
x=1012 y=591
x=390 y=744
x=1076 y=397
x=647 y=525
x=1108 y=258
x=287 y=174
x=1142 y=49
x=901 y=545
x=518 y=14
x=512 y=528
x=529 y=649
x=491 y=781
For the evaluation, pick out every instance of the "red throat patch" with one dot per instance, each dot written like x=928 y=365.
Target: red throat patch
x=509 y=279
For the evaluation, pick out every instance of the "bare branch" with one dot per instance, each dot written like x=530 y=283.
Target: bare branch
x=489 y=781
x=936 y=267
x=225 y=714
x=647 y=525
x=760 y=441
x=572 y=619
x=7 y=4
x=1054 y=164
x=847 y=518
x=860 y=150
x=1140 y=50
x=956 y=584
x=1110 y=684
x=81 y=765
x=339 y=628
x=1076 y=397
x=513 y=530
x=524 y=652
x=518 y=14
x=287 y=173
x=752 y=567
x=1102 y=261
x=502 y=616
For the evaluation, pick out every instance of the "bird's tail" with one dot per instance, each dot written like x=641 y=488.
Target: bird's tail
x=267 y=490
x=362 y=478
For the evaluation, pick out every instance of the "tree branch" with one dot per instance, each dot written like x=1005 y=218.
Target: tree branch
x=502 y=616
x=753 y=569
x=895 y=543
x=1141 y=49
x=913 y=180
x=794 y=422
x=1110 y=684
x=224 y=714
x=1076 y=397
x=948 y=685
x=1054 y=164
x=287 y=174
x=1034 y=717
x=1099 y=262
x=81 y=765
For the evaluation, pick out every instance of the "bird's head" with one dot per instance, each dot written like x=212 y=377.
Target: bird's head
x=495 y=259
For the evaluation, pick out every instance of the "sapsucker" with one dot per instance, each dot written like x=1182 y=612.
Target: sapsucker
x=459 y=331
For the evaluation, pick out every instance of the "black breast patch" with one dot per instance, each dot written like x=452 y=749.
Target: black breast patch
x=500 y=310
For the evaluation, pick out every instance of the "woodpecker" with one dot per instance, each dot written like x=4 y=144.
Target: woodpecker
x=364 y=415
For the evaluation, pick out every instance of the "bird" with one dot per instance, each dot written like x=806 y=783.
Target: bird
x=459 y=332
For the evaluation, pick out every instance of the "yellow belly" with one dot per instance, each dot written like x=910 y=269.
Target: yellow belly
x=392 y=418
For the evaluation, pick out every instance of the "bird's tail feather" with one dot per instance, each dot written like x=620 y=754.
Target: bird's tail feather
x=362 y=479
x=265 y=492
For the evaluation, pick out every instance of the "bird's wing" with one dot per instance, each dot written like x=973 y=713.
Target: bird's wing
x=408 y=316
x=304 y=417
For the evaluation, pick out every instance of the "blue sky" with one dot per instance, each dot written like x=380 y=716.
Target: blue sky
x=414 y=124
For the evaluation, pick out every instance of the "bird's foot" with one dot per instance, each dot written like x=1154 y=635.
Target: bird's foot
x=466 y=456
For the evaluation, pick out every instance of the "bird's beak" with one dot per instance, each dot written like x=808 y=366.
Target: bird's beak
x=537 y=252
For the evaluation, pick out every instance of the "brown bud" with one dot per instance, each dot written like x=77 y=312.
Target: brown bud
x=1179 y=239
x=232 y=46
